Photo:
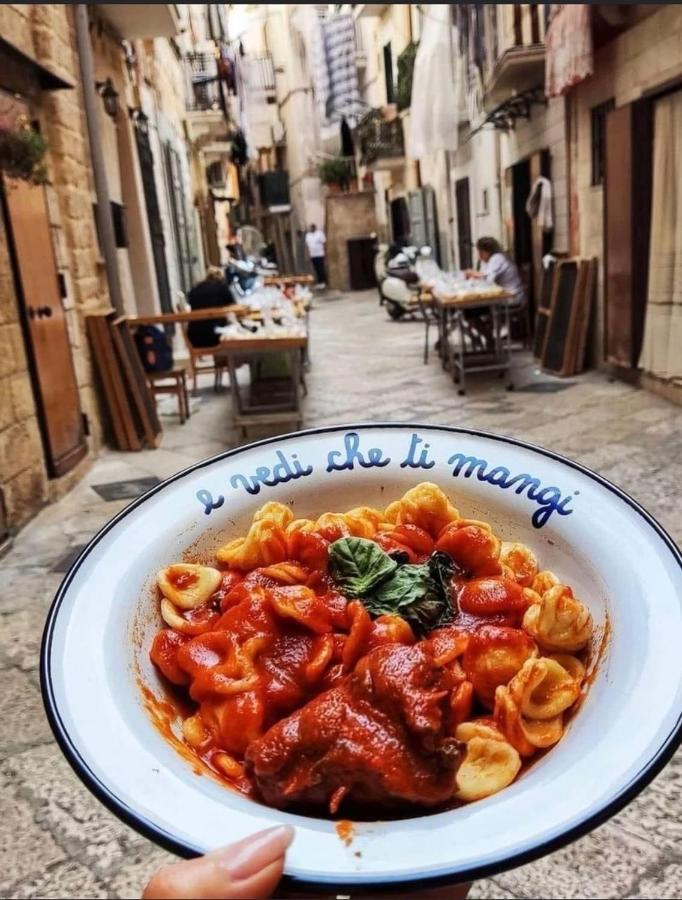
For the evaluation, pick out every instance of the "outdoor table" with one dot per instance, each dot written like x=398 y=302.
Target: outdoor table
x=250 y=349
x=492 y=355
x=287 y=280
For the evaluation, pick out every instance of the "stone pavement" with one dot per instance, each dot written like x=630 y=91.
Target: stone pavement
x=58 y=841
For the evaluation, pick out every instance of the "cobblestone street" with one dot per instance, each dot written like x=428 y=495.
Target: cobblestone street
x=58 y=841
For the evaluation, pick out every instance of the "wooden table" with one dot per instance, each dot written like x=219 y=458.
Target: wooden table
x=190 y=315
x=287 y=280
x=238 y=351
x=475 y=352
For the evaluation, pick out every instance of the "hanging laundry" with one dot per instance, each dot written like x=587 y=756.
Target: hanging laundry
x=339 y=42
x=568 y=47
x=539 y=203
x=435 y=115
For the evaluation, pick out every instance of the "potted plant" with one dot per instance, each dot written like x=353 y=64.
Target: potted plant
x=335 y=173
x=22 y=151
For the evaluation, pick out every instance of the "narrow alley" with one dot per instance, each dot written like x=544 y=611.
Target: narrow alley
x=60 y=842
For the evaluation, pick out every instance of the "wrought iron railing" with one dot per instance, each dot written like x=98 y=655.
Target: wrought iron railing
x=380 y=138
x=203 y=85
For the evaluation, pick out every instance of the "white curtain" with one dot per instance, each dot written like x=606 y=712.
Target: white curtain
x=662 y=348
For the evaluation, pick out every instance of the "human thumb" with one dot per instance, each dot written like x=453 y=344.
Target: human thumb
x=247 y=870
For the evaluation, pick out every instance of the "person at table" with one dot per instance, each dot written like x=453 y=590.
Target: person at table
x=497 y=268
x=213 y=291
x=315 y=241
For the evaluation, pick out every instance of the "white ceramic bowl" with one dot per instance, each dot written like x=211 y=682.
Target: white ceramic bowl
x=616 y=557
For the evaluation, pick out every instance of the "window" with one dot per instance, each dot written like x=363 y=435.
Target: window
x=598 y=116
x=119 y=223
x=388 y=72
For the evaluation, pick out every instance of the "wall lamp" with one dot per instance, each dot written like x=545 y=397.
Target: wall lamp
x=109 y=96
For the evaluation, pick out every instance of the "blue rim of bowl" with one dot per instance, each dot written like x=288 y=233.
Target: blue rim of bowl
x=453 y=876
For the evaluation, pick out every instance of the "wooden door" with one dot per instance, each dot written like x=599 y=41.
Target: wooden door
x=49 y=350
x=627 y=225
x=618 y=238
x=463 y=205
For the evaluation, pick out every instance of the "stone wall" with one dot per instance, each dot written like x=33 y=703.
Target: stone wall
x=349 y=215
x=46 y=33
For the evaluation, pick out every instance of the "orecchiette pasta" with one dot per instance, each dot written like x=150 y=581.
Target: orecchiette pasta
x=543 y=581
x=559 y=622
x=472 y=545
x=424 y=505
x=286 y=573
x=543 y=688
x=187 y=585
x=527 y=735
x=265 y=543
x=522 y=562
x=529 y=709
x=360 y=522
x=384 y=658
x=489 y=765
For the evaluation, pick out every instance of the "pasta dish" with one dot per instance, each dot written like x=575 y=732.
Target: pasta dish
x=372 y=662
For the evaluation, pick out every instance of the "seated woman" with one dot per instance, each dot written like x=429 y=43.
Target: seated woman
x=496 y=268
x=213 y=291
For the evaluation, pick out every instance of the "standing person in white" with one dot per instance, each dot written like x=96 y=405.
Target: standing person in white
x=315 y=241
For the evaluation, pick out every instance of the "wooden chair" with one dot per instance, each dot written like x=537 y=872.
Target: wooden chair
x=202 y=359
x=171 y=382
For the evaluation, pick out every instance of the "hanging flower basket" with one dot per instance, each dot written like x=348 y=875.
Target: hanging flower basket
x=22 y=151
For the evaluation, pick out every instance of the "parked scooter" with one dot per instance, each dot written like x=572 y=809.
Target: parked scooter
x=397 y=278
x=242 y=271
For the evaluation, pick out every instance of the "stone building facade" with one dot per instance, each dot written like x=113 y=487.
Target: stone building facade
x=48 y=387
x=44 y=34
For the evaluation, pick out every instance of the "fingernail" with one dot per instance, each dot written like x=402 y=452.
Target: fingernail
x=258 y=851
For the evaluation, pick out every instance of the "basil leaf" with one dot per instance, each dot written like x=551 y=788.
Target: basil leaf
x=443 y=569
x=427 y=614
x=420 y=594
x=358 y=565
x=406 y=584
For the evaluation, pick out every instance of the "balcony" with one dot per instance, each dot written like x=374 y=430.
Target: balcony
x=132 y=21
x=381 y=140
x=519 y=64
x=519 y=69
x=203 y=84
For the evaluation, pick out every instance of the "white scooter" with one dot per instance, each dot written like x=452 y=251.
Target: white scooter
x=397 y=278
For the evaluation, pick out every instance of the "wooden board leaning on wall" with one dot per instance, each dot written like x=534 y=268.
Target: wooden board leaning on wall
x=130 y=403
x=563 y=316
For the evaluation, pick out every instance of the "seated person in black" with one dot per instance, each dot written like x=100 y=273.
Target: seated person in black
x=212 y=291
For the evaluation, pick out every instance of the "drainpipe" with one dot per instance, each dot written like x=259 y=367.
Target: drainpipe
x=91 y=100
x=450 y=186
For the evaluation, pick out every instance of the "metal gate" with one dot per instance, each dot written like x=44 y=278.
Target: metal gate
x=144 y=152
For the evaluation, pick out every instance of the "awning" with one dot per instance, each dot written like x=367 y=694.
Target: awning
x=47 y=79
